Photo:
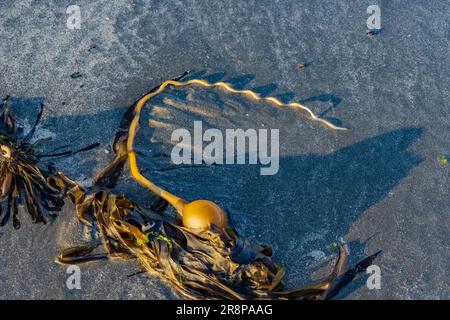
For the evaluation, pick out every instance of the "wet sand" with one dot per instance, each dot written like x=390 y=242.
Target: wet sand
x=379 y=185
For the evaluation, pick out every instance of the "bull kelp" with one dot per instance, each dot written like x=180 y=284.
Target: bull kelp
x=201 y=264
x=202 y=260
x=23 y=177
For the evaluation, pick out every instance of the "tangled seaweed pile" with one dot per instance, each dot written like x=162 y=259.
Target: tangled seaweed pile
x=203 y=263
x=22 y=176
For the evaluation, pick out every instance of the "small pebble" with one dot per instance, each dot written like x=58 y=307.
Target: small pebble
x=76 y=75
x=93 y=46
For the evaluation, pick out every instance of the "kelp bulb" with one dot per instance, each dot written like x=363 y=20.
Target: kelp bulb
x=201 y=214
x=5 y=151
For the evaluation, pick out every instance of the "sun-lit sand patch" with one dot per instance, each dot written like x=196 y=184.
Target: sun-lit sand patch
x=195 y=110
x=161 y=112
x=158 y=124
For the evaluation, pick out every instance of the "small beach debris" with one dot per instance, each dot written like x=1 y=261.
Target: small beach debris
x=443 y=160
x=92 y=47
x=373 y=32
x=76 y=75
x=304 y=64
x=333 y=245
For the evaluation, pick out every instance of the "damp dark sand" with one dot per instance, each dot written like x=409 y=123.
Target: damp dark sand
x=378 y=185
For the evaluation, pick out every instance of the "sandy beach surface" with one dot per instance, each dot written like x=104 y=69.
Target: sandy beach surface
x=379 y=185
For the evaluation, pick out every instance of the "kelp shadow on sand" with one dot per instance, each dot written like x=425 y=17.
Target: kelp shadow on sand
x=332 y=190
x=312 y=201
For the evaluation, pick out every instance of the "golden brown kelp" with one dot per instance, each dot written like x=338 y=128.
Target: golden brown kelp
x=22 y=178
x=201 y=264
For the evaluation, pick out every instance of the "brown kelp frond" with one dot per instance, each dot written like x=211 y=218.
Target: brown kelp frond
x=80 y=254
x=23 y=180
x=201 y=264
x=342 y=279
x=109 y=176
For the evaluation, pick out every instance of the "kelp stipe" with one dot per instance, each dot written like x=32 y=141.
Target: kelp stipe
x=201 y=213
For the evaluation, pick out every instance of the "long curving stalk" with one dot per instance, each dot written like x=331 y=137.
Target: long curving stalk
x=179 y=204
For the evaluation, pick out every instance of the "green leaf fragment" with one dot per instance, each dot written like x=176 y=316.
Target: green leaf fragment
x=443 y=160
x=145 y=240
